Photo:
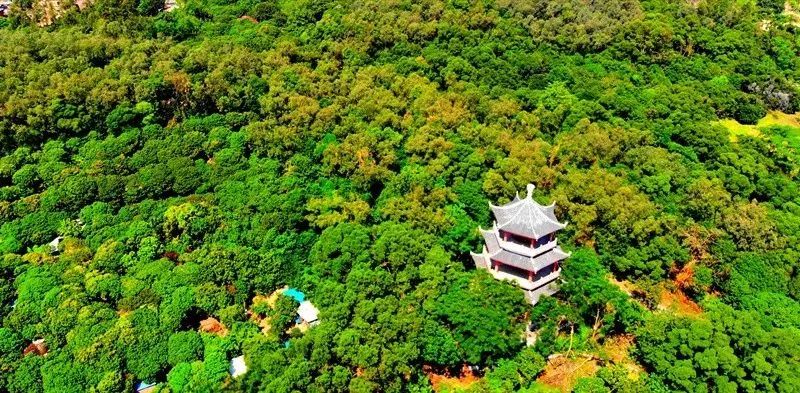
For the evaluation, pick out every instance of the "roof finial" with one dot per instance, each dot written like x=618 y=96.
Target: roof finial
x=530 y=190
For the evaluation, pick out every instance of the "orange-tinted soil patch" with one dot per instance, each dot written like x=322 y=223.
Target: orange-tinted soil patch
x=685 y=277
x=678 y=302
x=562 y=372
x=213 y=326
x=672 y=300
x=444 y=381
x=617 y=348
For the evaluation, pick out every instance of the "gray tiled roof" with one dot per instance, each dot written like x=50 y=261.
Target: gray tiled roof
x=480 y=260
x=491 y=241
x=526 y=217
x=527 y=263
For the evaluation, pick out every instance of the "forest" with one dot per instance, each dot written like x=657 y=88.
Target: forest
x=194 y=162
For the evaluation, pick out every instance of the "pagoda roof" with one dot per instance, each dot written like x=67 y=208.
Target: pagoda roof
x=491 y=240
x=238 y=366
x=308 y=312
x=480 y=259
x=533 y=264
x=526 y=217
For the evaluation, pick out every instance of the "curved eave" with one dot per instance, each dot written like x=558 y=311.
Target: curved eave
x=536 y=235
x=534 y=264
x=507 y=218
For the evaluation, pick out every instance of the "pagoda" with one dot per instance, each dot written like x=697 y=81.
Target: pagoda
x=522 y=247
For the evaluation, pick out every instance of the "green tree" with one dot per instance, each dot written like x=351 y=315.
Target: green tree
x=184 y=347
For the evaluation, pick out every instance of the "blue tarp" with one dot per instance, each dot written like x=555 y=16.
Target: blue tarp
x=295 y=294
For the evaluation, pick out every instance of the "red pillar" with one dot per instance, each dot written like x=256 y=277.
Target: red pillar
x=530 y=275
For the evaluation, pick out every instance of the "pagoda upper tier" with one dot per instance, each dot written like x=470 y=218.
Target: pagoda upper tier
x=526 y=217
x=521 y=256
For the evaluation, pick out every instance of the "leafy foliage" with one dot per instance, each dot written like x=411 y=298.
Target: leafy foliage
x=195 y=159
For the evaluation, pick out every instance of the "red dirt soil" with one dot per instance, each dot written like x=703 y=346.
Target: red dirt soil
x=444 y=380
x=678 y=302
x=38 y=348
x=213 y=326
x=685 y=277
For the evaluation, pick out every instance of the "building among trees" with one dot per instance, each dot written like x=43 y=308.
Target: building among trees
x=37 y=347
x=5 y=7
x=522 y=247
x=170 y=5
x=54 y=244
x=308 y=313
x=237 y=366
x=146 y=387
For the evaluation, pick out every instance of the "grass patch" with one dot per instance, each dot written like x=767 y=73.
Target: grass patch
x=737 y=129
x=781 y=129
x=776 y=118
x=779 y=126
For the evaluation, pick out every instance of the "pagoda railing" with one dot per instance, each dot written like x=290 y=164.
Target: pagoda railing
x=523 y=282
x=527 y=250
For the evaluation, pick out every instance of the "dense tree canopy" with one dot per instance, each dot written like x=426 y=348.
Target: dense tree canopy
x=196 y=161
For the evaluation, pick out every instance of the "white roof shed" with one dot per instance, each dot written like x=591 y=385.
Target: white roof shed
x=308 y=312
x=238 y=366
x=54 y=244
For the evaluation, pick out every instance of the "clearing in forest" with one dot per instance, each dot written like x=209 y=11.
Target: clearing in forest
x=773 y=118
x=444 y=382
x=563 y=372
x=618 y=351
x=790 y=10
x=674 y=300
x=635 y=293
x=677 y=302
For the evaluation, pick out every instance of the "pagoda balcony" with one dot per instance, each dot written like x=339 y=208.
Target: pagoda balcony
x=527 y=250
x=523 y=282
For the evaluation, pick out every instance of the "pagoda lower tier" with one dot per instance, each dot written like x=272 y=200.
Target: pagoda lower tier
x=534 y=269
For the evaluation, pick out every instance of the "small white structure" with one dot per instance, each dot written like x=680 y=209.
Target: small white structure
x=5 y=7
x=54 y=244
x=170 y=5
x=145 y=387
x=238 y=366
x=308 y=313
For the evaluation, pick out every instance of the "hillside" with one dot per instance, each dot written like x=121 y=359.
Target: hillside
x=262 y=196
